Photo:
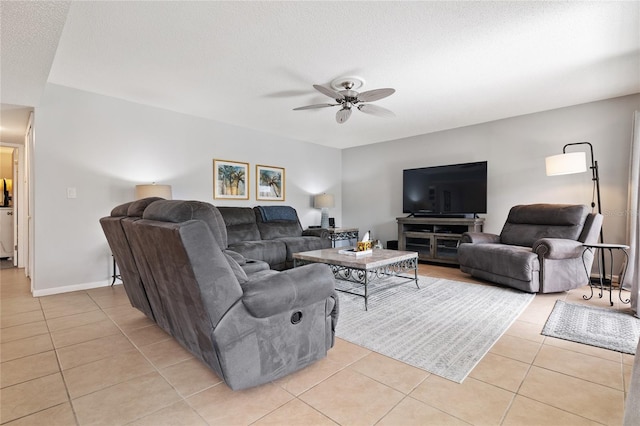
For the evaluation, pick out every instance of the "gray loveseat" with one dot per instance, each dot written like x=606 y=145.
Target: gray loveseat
x=539 y=249
x=250 y=325
x=271 y=234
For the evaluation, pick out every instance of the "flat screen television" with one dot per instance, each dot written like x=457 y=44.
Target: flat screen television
x=456 y=190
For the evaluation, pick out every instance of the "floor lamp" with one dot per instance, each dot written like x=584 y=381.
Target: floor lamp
x=575 y=162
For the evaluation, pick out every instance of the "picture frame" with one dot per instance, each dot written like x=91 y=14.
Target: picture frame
x=230 y=180
x=270 y=183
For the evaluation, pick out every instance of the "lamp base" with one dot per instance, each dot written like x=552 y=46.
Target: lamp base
x=324 y=218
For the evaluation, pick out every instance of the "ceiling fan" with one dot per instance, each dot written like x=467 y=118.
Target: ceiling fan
x=344 y=93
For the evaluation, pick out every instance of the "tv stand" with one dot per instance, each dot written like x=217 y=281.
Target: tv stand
x=435 y=239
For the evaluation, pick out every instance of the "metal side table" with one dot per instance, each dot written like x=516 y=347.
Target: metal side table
x=593 y=248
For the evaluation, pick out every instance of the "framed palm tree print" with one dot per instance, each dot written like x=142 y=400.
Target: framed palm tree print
x=230 y=180
x=269 y=183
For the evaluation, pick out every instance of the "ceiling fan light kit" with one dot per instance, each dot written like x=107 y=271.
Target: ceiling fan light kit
x=344 y=92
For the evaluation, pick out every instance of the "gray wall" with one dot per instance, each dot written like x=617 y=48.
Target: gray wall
x=515 y=149
x=103 y=147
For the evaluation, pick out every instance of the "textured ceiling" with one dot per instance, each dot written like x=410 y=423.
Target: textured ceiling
x=250 y=63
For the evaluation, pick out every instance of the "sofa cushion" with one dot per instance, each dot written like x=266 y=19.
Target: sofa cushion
x=178 y=211
x=241 y=224
x=528 y=223
x=279 y=223
x=137 y=208
x=273 y=252
x=300 y=244
x=512 y=261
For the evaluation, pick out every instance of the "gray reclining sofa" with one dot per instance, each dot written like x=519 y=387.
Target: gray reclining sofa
x=248 y=323
x=539 y=249
x=271 y=234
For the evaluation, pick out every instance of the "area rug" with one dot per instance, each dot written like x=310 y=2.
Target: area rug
x=601 y=327
x=445 y=327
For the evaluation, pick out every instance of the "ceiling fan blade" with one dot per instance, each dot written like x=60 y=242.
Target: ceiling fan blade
x=376 y=110
x=328 y=92
x=374 y=95
x=343 y=115
x=314 y=106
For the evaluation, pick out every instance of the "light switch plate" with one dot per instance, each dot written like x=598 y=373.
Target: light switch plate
x=71 y=193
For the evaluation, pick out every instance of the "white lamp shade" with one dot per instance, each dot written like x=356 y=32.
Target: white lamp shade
x=162 y=191
x=323 y=201
x=566 y=164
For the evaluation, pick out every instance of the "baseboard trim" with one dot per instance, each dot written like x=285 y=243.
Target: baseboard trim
x=71 y=288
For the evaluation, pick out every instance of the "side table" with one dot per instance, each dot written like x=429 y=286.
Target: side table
x=593 y=248
x=341 y=234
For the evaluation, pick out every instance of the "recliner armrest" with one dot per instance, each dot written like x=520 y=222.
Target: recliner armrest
x=479 y=237
x=558 y=248
x=290 y=289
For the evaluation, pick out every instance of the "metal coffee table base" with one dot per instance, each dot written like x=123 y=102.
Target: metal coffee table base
x=365 y=277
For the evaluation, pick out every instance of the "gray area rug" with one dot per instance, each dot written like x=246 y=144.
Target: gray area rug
x=445 y=327
x=601 y=327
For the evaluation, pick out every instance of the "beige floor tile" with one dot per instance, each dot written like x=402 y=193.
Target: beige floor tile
x=345 y=353
x=526 y=330
x=84 y=333
x=506 y=373
x=583 y=349
x=627 y=370
x=473 y=401
x=25 y=347
x=527 y=412
x=23 y=331
x=93 y=350
x=147 y=335
x=220 y=405
x=29 y=397
x=70 y=321
x=390 y=372
x=190 y=376
x=539 y=309
x=628 y=359
x=351 y=398
x=294 y=411
x=587 y=367
x=303 y=380
x=106 y=372
x=165 y=353
x=67 y=304
x=59 y=415
x=577 y=396
x=516 y=348
x=110 y=300
x=21 y=318
x=178 y=414
x=413 y=412
x=28 y=368
x=125 y=402
x=128 y=318
x=18 y=305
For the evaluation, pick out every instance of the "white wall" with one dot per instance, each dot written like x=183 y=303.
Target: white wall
x=515 y=149
x=103 y=147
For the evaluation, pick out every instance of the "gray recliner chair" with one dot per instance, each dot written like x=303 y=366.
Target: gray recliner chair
x=250 y=328
x=540 y=248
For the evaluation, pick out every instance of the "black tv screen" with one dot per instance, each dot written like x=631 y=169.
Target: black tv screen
x=453 y=190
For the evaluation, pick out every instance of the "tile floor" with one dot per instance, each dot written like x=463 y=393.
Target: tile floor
x=89 y=358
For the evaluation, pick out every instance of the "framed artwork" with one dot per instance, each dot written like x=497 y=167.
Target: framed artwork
x=230 y=180
x=269 y=183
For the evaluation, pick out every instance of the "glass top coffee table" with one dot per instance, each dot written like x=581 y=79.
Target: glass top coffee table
x=364 y=269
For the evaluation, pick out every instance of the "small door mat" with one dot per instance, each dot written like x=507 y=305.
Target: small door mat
x=604 y=328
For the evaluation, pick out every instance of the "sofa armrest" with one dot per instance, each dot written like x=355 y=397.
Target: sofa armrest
x=479 y=237
x=236 y=256
x=287 y=290
x=316 y=232
x=558 y=248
